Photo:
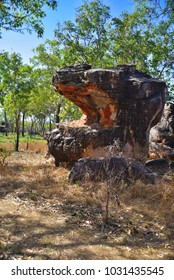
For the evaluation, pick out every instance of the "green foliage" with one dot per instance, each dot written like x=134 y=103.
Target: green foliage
x=145 y=37
x=86 y=39
x=69 y=111
x=22 y=15
x=9 y=66
x=15 y=83
x=43 y=99
x=48 y=56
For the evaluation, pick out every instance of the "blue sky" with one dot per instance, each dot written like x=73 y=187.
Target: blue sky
x=25 y=43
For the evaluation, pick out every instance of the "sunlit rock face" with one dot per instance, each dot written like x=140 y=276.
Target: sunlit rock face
x=119 y=105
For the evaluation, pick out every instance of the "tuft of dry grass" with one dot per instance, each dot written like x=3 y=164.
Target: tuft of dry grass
x=157 y=199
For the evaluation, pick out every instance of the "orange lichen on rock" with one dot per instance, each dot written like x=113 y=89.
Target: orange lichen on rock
x=94 y=103
x=108 y=115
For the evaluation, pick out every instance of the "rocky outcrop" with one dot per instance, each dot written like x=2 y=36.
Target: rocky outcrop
x=111 y=169
x=162 y=135
x=120 y=105
x=68 y=144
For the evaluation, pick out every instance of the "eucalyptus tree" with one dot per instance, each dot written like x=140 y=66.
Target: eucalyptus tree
x=86 y=39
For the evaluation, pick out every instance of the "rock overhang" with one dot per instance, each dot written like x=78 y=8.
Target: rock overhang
x=122 y=98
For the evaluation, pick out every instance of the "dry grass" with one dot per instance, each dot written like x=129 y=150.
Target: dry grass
x=25 y=144
x=43 y=217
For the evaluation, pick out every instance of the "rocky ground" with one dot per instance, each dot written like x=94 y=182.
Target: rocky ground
x=42 y=216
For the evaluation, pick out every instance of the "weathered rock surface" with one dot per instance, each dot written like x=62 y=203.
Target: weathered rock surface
x=171 y=165
x=162 y=135
x=120 y=104
x=161 y=166
x=68 y=144
x=111 y=169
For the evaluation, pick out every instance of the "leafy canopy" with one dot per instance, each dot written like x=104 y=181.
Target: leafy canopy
x=15 y=82
x=44 y=101
x=86 y=39
x=22 y=15
x=145 y=38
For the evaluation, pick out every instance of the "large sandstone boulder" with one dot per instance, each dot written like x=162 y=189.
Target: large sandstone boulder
x=120 y=105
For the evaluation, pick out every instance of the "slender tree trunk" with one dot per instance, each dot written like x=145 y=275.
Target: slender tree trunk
x=50 y=124
x=17 y=132
x=23 y=124
x=43 y=126
x=31 y=129
x=57 y=119
x=12 y=126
